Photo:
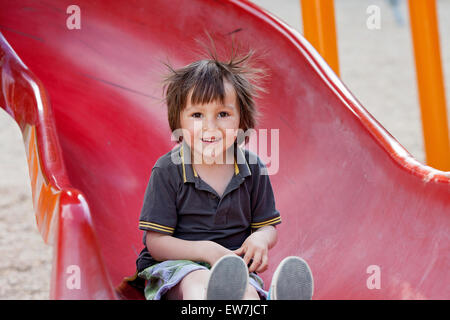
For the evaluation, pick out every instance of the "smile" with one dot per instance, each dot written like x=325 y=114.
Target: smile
x=210 y=140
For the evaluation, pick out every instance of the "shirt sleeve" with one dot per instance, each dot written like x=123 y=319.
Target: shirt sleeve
x=264 y=212
x=159 y=208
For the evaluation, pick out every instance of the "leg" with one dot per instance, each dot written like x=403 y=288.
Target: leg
x=191 y=287
x=229 y=279
x=251 y=293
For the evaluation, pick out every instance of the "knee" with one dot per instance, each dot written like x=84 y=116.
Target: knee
x=193 y=286
x=251 y=293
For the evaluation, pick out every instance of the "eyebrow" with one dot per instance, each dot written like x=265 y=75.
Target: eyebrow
x=220 y=106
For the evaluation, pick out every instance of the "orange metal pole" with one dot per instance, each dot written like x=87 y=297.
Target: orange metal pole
x=319 y=29
x=425 y=35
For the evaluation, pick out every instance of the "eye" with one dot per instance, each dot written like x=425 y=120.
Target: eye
x=223 y=114
x=196 y=115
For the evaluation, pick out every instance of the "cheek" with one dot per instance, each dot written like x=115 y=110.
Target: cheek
x=231 y=133
x=187 y=124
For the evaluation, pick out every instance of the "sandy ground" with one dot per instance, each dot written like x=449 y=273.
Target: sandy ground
x=376 y=65
x=25 y=261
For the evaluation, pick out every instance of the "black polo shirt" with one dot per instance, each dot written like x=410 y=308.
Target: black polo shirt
x=179 y=203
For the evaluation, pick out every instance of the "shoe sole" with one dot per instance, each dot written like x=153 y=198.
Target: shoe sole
x=228 y=279
x=292 y=280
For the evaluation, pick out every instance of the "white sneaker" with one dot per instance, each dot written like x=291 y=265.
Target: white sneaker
x=228 y=279
x=292 y=280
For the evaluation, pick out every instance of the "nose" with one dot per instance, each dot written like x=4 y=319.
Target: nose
x=210 y=123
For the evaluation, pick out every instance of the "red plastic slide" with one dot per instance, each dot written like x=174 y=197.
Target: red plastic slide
x=372 y=222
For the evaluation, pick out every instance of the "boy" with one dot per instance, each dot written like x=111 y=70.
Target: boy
x=209 y=201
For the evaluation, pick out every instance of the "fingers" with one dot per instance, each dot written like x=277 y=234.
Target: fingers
x=239 y=251
x=257 y=259
x=248 y=256
x=264 y=264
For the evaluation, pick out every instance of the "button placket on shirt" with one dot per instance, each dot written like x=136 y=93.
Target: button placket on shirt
x=222 y=211
x=212 y=196
x=225 y=204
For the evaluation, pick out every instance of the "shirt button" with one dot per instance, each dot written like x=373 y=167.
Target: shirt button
x=212 y=196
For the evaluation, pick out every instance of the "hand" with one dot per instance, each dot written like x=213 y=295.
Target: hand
x=214 y=251
x=255 y=247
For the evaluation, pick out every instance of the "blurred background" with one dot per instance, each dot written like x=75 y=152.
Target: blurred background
x=376 y=65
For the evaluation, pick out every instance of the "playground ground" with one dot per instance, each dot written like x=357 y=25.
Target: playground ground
x=376 y=65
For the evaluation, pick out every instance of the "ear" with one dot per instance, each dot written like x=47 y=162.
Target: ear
x=177 y=135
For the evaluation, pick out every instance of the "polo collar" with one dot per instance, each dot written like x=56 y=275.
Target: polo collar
x=189 y=174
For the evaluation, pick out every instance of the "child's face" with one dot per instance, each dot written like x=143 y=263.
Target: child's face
x=210 y=129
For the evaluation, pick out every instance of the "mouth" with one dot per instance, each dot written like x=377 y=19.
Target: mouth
x=210 y=140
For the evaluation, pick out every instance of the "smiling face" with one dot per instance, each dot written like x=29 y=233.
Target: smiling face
x=210 y=129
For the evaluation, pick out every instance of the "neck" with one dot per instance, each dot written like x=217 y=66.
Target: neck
x=226 y=158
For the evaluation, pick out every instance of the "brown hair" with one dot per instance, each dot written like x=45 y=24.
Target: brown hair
x=206 y=78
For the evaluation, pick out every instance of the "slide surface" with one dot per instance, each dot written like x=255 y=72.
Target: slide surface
x=371 y=221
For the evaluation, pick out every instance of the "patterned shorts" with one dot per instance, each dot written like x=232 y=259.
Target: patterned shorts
x=163 y=276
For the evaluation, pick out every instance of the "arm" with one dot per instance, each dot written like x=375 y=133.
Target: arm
x=257 y=246
x=165 y=247
x=264 y=217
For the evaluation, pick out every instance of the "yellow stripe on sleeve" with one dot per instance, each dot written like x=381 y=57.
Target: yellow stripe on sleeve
x=266 y=223
x=156 y=226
